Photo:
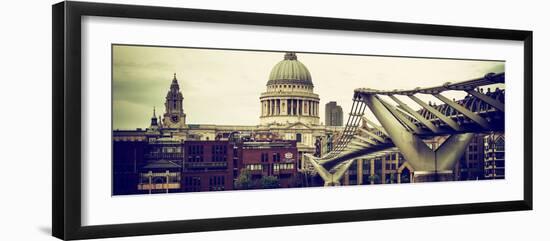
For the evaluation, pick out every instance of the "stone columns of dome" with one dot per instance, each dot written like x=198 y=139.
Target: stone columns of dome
x=285 y=107
x=272 y=107
x=293 y=109
x=304 y=112
x=278 y=107
x=295 y=106
x=291 y=105
x=316 y=109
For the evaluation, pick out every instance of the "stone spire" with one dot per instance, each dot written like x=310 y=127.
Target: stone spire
x=154 y=120
x=174 y=87
x=174 y=117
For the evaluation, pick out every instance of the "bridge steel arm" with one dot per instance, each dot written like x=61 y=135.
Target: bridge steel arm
x=358 y=143
x=376 y=137
x=451 y=150
x=320 y=169
x=340 y=171
x=415 y=114
x=412 y=147
x=438 y=114
x=367 y=140
x=492 y=102
x=473 y=116
x=399 y=116
x=379 y=128
x=415 y=150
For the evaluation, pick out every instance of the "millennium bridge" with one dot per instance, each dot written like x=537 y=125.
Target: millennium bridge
x=400 y=127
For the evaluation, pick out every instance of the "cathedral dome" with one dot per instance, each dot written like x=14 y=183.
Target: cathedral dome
x=290 y=71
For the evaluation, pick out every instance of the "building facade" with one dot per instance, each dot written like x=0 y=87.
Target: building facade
x=334 y=116
x=208 y=166
x=494 y=159
x=470 y=165
x=163 y=164
x=277 y=158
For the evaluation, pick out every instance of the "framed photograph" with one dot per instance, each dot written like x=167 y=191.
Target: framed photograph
x=171 y=120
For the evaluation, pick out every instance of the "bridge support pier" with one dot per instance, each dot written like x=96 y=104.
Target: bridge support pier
x=439 y=176
x=331 y=179
x=414 y=149
x=332 y=183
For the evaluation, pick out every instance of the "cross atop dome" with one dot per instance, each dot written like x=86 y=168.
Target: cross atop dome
x=291 y=56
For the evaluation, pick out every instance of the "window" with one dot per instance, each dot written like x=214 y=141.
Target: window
x=276 y=157
x=283 y=166
x=254 y=167
x=499 y=144
x=264 y=157
x=216 y=183
x=298 y=137
x=192 y=184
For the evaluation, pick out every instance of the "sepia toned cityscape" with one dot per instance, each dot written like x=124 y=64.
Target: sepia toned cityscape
x=196 y=120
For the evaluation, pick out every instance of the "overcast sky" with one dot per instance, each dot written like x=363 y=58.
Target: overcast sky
x=224 y=86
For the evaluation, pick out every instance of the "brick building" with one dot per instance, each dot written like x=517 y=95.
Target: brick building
x=208 y=166
x=270 y=158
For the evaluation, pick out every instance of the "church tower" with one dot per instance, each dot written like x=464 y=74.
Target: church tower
x=154 y=122
x=174 y=117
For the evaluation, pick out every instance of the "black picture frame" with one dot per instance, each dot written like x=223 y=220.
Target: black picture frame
x=66 y=165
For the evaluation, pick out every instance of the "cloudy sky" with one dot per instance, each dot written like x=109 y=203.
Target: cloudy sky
x=224 y=86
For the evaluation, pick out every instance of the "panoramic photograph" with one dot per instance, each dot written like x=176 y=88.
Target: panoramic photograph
x=187 y=119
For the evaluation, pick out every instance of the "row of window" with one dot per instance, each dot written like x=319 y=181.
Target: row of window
x=219 y=149
x=254 y=167
x=216 y=183
x=291 y=86
x=195 y=150
x=216 y=158
x=495 y=155
x=283 y=166
x=264 y=157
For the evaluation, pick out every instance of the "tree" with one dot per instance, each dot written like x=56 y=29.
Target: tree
x=269 y=182
x=244 y=180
